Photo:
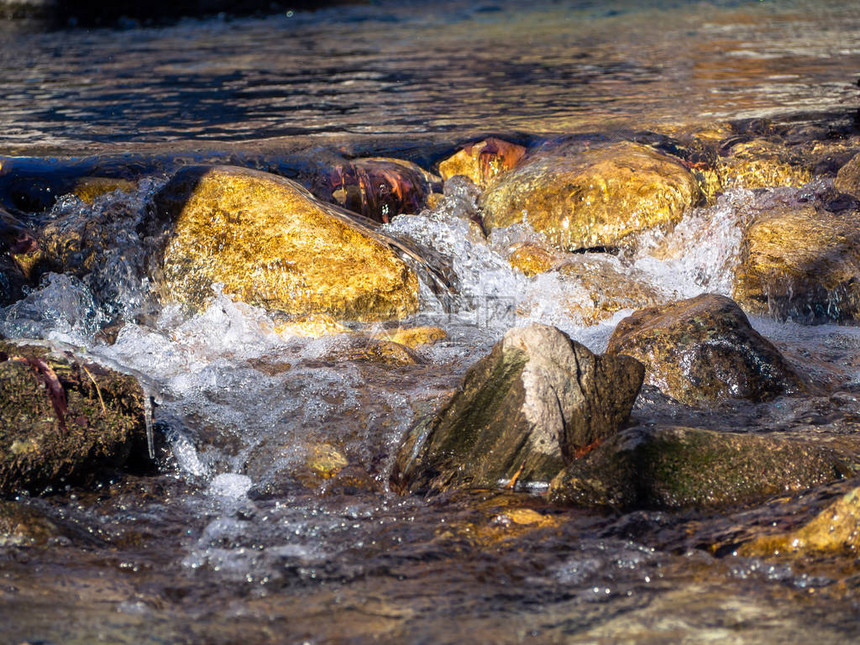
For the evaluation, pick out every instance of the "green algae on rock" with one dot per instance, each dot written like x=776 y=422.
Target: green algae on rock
x=801 y=264
x=520 y=414
x=61 y=418
x=703 y=350
x=270 y=243
x=599 y=197
x=677 y=467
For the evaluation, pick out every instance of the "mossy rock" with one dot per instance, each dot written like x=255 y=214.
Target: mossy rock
x=760 y=163
x=519 y=415
x=801 y=264
x=848 y=177
x=600 y=197
x=62 y=418
x=271 y=243
x=677 y=467
x=702 y=350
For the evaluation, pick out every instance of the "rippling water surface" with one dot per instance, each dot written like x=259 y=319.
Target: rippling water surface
x=238 y=539
x=428 y=68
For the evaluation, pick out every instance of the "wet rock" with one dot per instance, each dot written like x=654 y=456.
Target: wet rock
x=373 y=350
x=600 y=197
x=607 y=287
x=378 y=188
x=313 y=326
x=413 y=337
x=21 y=525
x=677 y=467
x=532 y=259
x=270 y=243
x=801 y=263
x=12 y=281
x=702 y=350
x=760 y=163
x=848 y=177
x=836 y=528
x=482 y=161
x=519 y=415
x=88 y=189
x=61 y=418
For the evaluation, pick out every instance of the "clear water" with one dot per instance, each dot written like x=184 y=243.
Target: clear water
x=241 y=537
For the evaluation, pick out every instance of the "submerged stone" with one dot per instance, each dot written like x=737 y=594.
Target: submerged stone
x=608 y=287
x=760 y=163
x=483 y=161
x=520 y=414
x=600 y=197
x=835 y=528
x=378 y=188
x=61 y=418
x=802 y=264
x=271 y=244
x=532 y=259
x=848 y=178
x=677 y=467
x=704 y=349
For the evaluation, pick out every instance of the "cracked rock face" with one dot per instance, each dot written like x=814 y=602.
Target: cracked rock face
x=521 y=414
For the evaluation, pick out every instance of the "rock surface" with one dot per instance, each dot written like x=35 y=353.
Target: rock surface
x=802 y=264
x=378 y=188
x=600 y=197
x=520 y=414
x=848 y=178
x=703 y=350
x=482 y=162
x=61 y=418
x=677 y=467
x=835 y=528
x=760 y=163
x=270 y=243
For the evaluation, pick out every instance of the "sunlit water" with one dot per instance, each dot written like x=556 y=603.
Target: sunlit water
x=238 y=538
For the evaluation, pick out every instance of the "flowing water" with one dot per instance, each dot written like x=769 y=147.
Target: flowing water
x=241 y=536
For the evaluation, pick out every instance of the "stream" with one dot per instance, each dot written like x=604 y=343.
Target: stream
x=268 y=517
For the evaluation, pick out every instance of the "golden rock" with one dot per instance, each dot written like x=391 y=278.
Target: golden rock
x=601 y=197
x=608 y=287
x=802 y=264
x=835 y=528
x=413 y=337
x=762 y=164
x=270 y=243
x=533 y=259
x=313 y=326
x=848 y=177
x=483 y=161
x=89 y=188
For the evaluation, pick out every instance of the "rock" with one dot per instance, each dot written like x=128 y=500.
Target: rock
x=848 y=178
x=760 y=163
x=532 y=259
x=482 y=162
x=413 y=337
x=377 y=188
x=836 y=528
x=270 y=243
x=373 y=350
x=22 y=525
x=702 y=350
x=61 y=418
x=676 y=467
x=802 y=264
x=312 y=326
x=600 y=197
x=607 y=287
x=90 y=188
x=519 y=415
